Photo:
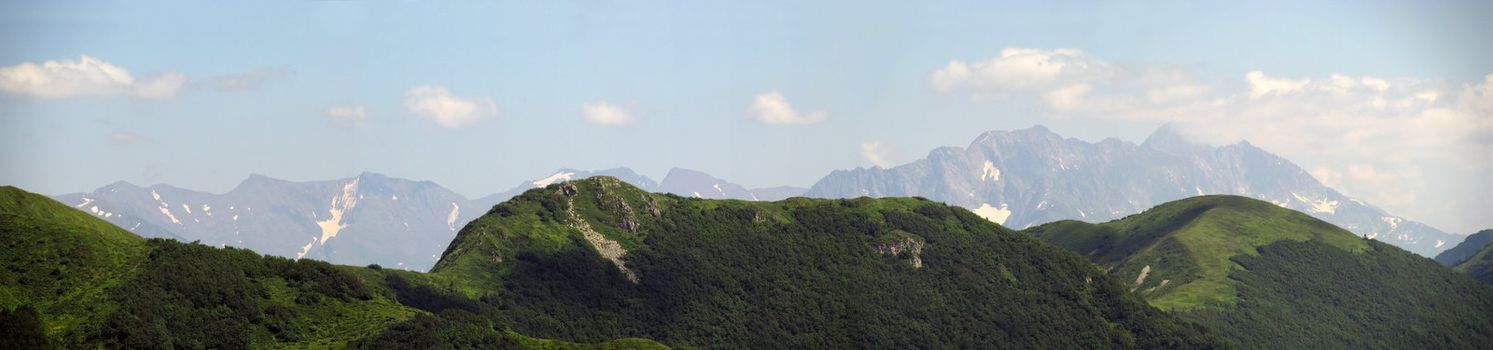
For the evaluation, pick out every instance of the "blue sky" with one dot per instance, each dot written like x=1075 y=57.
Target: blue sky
x=479 y=96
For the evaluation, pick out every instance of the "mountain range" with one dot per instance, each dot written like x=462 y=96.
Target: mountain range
x=366 y=219
x=1015 y=178
x=1024 y=178
x=585 y=259
x=598 y=263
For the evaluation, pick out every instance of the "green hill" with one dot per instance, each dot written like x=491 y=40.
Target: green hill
x=72 y=280
x=61 y=261
x=1478 y=266
x=1469 y=247
x=599 y=259
x=1266 y=277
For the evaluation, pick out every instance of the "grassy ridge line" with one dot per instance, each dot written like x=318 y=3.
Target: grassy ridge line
x=1269 y=278
x=1190 y=245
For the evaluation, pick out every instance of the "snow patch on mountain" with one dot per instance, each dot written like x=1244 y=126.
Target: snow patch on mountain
x=994 y=214
x=340 y=205
x=990 y=172
x=167 y=212
x=451 y=218
x=1394 y=222
x=306 y=249
x=1325 y=206
x=86 y=200
x=558 y=176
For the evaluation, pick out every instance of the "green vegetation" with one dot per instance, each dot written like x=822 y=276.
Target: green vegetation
x=1267 y=277
x=22 y=328
x=1478 y=266
x=74 y=281
x=1466 y=249
x=61 y=261
x=799 y=273
x=1188 y=245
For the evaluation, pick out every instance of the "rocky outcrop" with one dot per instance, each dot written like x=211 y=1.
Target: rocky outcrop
x=906 y=248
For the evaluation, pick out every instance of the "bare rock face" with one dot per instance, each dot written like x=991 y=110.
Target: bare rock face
x=650 y=205
x=568 y=190
x=906 y=248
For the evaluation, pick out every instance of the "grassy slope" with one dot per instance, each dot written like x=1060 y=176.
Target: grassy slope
x=61 y=260
x=1273 y=278
x=1479 y=266
x=799 y=272
x=76 y=270
x=1189 y=244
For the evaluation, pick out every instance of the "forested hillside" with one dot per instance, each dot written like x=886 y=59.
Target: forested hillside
x=599 y=259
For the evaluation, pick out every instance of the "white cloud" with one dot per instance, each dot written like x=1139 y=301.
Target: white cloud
x=605 y=114
x=1386 y=140
x=1018 y=68
x=353 y=116
x=1261 y=85
x=872 y=152
x=447 y=110
x=771 y=108
x=85 y=76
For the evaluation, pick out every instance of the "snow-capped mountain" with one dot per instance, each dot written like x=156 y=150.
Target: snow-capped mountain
x=367 y=219
x=361 y=220
x=1027 y=177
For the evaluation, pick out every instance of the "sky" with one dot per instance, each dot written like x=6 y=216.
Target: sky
x=1390 y=102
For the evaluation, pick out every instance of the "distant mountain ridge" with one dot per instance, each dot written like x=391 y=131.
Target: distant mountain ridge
x=1027 y=177
x=366 y=219
x=360 y=220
